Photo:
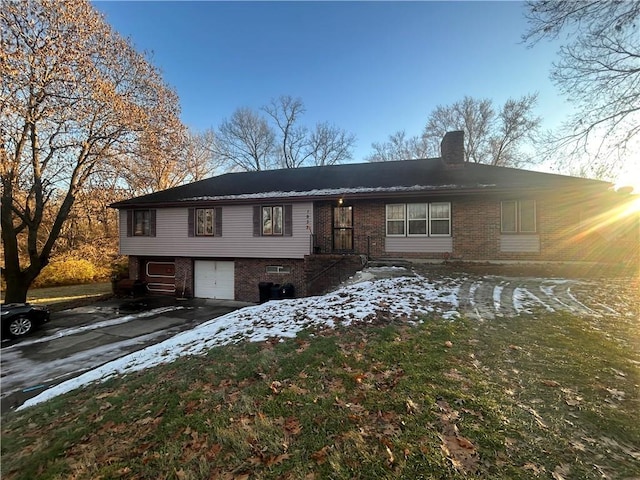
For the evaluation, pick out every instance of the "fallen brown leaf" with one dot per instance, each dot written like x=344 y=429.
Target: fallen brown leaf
x=535 y=469
x=561 y=472
x=276 y=460
x=292 y=426
x=460 y=452
x=275 y=386
x=320 y=456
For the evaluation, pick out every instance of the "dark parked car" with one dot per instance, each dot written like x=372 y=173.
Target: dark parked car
x=18 y=319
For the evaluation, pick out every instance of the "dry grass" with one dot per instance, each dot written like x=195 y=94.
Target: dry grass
x=68 y=295
x=526 y=397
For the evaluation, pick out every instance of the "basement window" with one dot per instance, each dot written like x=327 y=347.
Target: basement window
x=278 y=269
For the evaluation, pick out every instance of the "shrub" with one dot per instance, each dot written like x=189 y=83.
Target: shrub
x=70 y=272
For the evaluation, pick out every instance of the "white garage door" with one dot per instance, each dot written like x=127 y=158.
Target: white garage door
x=214 y=279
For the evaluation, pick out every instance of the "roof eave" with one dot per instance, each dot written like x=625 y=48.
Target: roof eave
x=476 y=190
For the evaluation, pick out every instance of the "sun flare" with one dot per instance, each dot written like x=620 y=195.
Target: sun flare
x=634 y=205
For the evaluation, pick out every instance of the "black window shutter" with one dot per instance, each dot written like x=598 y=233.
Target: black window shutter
x=152 y=223
x=129 y=223
x=288 y=220
x=257 y=221
x=191 y=217
x=217 y=215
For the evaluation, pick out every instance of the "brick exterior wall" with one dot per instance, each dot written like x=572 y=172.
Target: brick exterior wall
x=570 y=227
x=323 y=272
x=562 y=226
x=452 y=148
x=134 y=267
x=249 y=272
x=368 y=227
x=475 y=225
x=184 y=277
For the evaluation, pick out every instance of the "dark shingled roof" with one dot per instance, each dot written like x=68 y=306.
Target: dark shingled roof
x=361 y=180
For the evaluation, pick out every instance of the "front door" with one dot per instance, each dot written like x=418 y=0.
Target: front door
x=343 y=229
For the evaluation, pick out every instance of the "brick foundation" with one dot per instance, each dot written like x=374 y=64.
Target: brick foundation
x=249 y=272
x=184 y=277
x=134 y=267
x=323 y=272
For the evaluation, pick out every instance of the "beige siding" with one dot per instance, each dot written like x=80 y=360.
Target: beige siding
x=418 y=244
x=237 y=240
x=520 y=243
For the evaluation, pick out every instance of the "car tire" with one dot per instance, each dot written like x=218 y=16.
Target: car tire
x=20 y=326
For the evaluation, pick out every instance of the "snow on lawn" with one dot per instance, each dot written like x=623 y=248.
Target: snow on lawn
x=405 y=297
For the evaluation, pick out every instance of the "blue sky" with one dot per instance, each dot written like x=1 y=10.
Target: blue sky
x=371 y=68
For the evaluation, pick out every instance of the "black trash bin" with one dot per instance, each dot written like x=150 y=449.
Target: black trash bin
x=275 y=292
x=139 y=288
x=265 y=291
x=287 y=291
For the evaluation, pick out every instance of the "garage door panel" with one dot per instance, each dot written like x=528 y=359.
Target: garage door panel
x=160 y=277
x=213 y=279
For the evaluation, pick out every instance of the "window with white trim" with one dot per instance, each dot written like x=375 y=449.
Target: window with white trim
x=396 y=220
x=418 y=219
x=278 y=269
x=518 y=216
x=440 y=219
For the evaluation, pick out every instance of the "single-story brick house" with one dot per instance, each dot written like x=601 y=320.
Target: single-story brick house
x=222 y=236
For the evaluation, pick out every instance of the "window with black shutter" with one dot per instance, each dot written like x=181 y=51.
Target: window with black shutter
x=141 y=223
x=205 y=222
x=273 y=221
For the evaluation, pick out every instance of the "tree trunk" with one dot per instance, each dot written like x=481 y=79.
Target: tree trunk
x=17 y=287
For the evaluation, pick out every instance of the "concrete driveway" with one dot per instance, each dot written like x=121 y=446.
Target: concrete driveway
x=83 y=338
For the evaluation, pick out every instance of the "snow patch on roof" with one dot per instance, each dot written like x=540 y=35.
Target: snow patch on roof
x=325 y=192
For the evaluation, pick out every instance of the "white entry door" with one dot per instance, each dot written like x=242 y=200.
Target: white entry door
x=213 y=279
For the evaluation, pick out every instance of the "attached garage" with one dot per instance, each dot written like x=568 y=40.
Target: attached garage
x=214 y=279
x=160 y=277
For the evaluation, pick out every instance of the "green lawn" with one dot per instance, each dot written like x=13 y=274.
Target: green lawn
x=547 y=396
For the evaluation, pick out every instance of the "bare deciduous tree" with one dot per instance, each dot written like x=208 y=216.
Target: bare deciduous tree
x=286 y=111
x=245 y=141
x=200 y=159
x=329 y=145
x=399 y=147
x=490 y=137
x=598 y=71
x=74 y=96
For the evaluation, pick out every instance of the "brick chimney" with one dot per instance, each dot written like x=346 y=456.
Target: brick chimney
x=452 y=148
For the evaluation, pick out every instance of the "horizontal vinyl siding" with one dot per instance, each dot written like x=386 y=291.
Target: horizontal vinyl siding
x=237 y=238
x=520 y=243
x=418 y=244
